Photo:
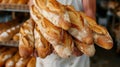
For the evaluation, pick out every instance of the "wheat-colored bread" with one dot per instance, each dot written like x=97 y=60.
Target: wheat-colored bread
x=42 y=46
x=6 y=55
x=12 y=61
x=22 y=62
x=9 y=33
x=26 y=38
x=54 y=12
x=60 y=40
x=32 y=62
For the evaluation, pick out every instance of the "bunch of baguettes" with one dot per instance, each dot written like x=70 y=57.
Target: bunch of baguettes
x=14 y=1
x=9 y=57
x=61 y=29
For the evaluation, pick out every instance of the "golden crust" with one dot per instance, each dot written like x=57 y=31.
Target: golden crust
x=85 y=48
x=42 y=46
x=32 y=62
x=12 y=61
x=104 y=41
x=79 y=28
x=22 y=62
x=26 y=41
x=54 y=12
x=6 y=55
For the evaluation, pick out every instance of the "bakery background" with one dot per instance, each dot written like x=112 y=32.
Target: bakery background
x=12 y=14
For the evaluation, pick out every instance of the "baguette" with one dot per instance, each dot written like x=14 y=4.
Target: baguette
x=32 y=62
x=7 y=25
x=89 y=50
x=6 y=55
x=79 y=29
x=12 y=61
x=22 y=62
x=104 y=41
x=26 y=39
x=93 y=25
x=60 y=40
x=9 y=33
x=54 y=12
x=42 y=46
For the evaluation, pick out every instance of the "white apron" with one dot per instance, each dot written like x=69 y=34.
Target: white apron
x=54 y=60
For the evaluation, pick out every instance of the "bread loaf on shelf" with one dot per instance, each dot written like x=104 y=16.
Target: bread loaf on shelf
x=22 y=62
x=42 y=46
x=32 y=62
x=9 y=33
x=61 y=41
x=12 y=61
x=7 y=25
x=26 y=38
x=6 y=55
x=16 y=37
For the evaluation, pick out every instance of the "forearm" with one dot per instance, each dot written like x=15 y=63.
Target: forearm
x=90 y=7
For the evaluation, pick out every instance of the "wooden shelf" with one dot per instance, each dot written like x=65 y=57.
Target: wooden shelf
x=14 y=7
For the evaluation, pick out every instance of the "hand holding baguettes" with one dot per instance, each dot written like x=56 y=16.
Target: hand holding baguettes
x=62 y=26
x=12 y=61
x=60 y=40
x=26 y=38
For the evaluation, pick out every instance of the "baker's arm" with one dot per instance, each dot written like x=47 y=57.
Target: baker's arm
x=90 y=7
